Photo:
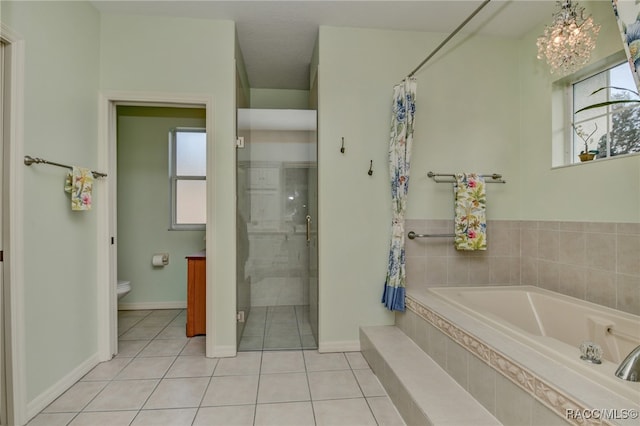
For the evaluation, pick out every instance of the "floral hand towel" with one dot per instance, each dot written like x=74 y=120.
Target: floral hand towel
x=79 y=184
x=470 y=218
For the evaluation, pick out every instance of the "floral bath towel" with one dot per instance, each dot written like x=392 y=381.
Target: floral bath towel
x=79 y=183
x=470 y=218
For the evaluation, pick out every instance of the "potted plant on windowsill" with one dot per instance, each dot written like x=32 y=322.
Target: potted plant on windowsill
x=586 y=154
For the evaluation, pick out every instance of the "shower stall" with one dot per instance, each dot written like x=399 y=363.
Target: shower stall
x=277 y=281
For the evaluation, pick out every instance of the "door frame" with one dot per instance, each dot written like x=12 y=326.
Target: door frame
x=107 y=267
x=13 y=224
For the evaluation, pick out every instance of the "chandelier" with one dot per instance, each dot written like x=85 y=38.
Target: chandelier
x=568 y=42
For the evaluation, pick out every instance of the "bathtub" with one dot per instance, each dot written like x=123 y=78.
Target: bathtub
x=555 y=325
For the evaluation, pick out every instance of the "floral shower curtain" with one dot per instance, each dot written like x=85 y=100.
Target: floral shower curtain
x=404 y=106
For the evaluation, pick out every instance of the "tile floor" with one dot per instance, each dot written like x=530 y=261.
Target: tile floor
x=161 y=377
x=277 y=328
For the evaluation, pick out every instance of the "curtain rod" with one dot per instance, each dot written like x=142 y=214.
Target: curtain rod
x=475 y=12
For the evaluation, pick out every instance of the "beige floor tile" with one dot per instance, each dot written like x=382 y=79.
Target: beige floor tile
x=239 y=415
x=141 y=313
x=164 y=347
x=125 y=324
x=195 y=346
x=107 y=370
x=146 y=368
x=123 y=395
x=178 y=393
x=76 y=397
x=141 y=333
x=333 y=385
x=369 y=383
x=179 y=321
x=352 y=412
x=160 y=377
x=315 y=361
x=287 y=387
x=192 y=366
x=244 y=363
x=172 y=417
x=356 y=360
x=51 y=419
x=251 y=343
x=130 y=348
x=231 y=390
x=282 y=342
x=154 y=321
x=173 y=332
x=285 y=414
x=112 y=418
x=385 y=412
x=282 y=362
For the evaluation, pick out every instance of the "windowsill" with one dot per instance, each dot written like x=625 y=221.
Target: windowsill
x=617 y=157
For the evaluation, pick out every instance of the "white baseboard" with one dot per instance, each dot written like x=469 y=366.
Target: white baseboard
x=140 y=306
x=342 y=346
x=222 y=351
x=48 y=396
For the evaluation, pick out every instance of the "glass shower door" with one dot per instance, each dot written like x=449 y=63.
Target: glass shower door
x=275 y=229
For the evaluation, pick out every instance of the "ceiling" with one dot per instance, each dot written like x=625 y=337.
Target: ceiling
x=277 y=37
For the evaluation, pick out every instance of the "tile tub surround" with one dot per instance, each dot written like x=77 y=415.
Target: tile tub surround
x=516 y=384
x=594 y=261
x=162 y=377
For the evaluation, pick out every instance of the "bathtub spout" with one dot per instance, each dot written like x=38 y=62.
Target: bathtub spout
x=629 y=369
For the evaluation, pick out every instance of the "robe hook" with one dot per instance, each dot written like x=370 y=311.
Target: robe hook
x=370 y=172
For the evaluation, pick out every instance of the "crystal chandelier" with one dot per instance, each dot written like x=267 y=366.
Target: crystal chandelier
x=568 y=42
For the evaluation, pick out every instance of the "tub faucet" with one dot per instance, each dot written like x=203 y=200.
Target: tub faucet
x=629 y=369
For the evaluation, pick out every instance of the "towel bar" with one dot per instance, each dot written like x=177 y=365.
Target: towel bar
x=495 y=177
x=29 y=160
x=412 y=235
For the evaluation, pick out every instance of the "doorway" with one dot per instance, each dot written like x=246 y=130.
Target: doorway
x=277 y=238
x=108 y=218
x=160 y=209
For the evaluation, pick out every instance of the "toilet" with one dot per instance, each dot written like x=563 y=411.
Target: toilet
x=124 y=287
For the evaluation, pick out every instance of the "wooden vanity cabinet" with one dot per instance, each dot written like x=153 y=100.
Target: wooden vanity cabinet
x=196 y=294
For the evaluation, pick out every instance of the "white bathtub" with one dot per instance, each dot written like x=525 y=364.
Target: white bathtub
x=554 y=325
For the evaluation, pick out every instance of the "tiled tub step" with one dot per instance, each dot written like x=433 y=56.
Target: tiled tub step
x=421 y=390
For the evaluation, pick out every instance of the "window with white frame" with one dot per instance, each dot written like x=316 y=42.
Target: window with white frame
x=188 y=178
x=610 y=130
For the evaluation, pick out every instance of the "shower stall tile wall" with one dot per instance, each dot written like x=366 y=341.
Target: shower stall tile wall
x=594 y=261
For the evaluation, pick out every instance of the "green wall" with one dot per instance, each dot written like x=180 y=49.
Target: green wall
x=163 y=55
x=465 y=120
x=599 y=191
x=279 y=99
x=143 y=207
x=61 y=72
x=484 y=105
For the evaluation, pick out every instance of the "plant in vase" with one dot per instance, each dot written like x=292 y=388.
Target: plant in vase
x=586 y=154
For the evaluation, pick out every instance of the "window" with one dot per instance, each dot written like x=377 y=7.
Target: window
x=188 y=178
x=615 y=128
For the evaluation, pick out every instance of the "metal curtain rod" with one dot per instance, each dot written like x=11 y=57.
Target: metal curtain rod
x=29 y=160
x=496 y=177
x=446 y=40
